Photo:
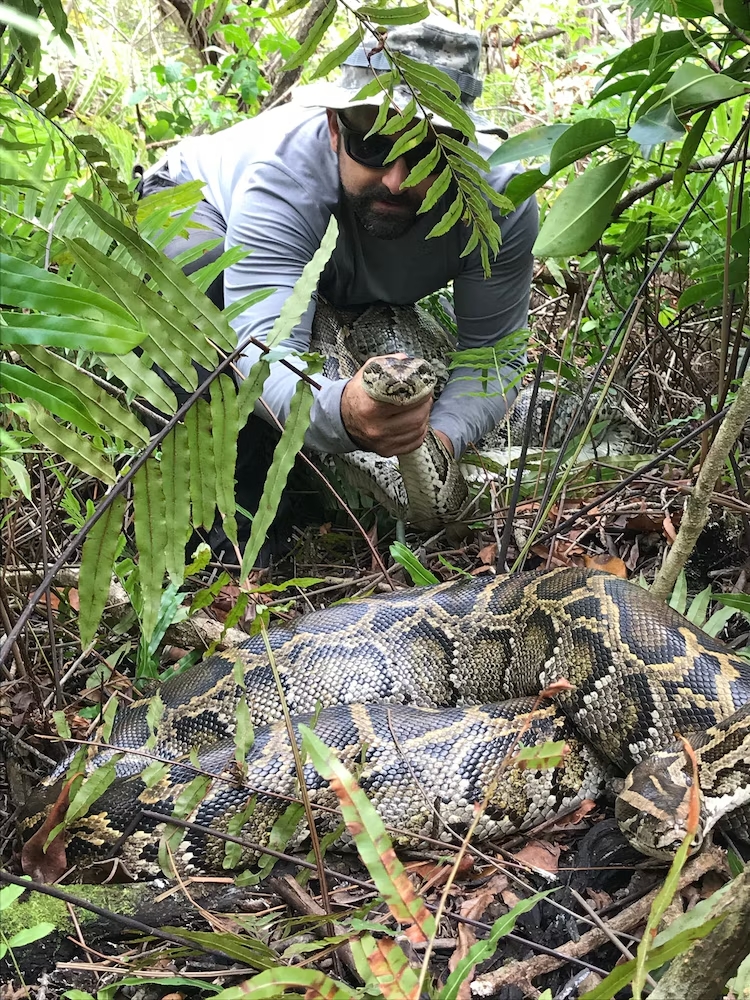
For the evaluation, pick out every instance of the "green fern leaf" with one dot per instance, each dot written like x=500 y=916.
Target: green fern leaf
x=97 y=560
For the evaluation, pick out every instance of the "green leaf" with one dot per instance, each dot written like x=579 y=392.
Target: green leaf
x=274 y=982
x=142 y=380
x=149 y=517
x=419 y=576
x=534 y=142
x=423 y=169
x=718 y=620
x=408 y=140
x=582 y=211
x=394 y=15
x=696 y=613
x=623 y=86
x=658 y=124
x=193 y=308
x=225 y=427
x=175 y=470
x=315 y=34
x=695 y=9
x=700 y=292
x=370 y=837
x=43 y=91
x=298 y=581
x=244 y=735
x=638 y=57
x=284 y=454
x=59 y=331
x=56 y=398
x=70 y=445
x=542 y=757
x=202 y=467
x=92 y=787
x=10 y=893
x=692 y=87
x=30 y=934
x=421 y=73
x=30 y=287
x=738 y=13
x=678 y=597
x=436 y=190
x=449 y=219
x=739 y=602
x=251 y=388
x=383 y=964
x=104 y=409
x=452 y=111
x=688 y=151
x=622 y=975
x=339 y=54
x=61 y=723
x=97 y=561
x=296 y=304
x=483 y=950
x=579 y=140
x=153 y=773
x=522 y=186
x=655 y=76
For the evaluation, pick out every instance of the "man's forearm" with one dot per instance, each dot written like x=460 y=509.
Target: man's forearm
x=471 y=405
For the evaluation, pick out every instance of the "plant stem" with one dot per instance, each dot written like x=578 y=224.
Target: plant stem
x=697 y=508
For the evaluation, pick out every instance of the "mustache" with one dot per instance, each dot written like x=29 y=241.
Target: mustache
x=379 y=192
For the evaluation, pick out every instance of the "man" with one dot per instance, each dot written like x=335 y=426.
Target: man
x=272 y=184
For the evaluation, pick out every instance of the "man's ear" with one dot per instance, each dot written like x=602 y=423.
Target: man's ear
x=333 y=129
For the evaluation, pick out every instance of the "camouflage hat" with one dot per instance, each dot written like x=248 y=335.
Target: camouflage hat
x=435 y=41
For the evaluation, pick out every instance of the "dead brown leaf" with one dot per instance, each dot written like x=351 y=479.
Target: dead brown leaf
x=669 y=529
x=49 y=865
x=610 y=564
x=598 y=898
x=436 y=873
x=473 y=908
x=488 y=554
x=539 y=854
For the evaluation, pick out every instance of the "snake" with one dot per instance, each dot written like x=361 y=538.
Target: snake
x=430 y=696
x=427 y=487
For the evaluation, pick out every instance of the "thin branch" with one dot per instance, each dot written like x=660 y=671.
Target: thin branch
x=698 y=166
x=115 y=918
x=698 y=506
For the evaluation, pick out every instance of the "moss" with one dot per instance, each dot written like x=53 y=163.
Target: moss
x=34 y=907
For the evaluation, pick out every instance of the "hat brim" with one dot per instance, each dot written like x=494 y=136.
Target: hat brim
x=329 y=95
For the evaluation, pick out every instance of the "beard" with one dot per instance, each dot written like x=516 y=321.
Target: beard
x=381 y=213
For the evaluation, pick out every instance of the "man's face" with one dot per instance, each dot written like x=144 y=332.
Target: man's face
x=380 y=205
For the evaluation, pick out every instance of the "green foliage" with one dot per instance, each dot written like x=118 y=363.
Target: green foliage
x=8 y=895
x=419 y=576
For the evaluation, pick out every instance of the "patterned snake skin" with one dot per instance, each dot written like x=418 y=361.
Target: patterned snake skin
x=427 y=487
x=412 y=687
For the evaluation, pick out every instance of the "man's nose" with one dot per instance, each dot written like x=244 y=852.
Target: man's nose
x=395 y=175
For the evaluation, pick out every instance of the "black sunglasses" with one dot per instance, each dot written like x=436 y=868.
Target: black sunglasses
x=374 y=150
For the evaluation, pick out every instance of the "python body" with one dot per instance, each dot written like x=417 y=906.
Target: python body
x=639 y=672
x=427 y=486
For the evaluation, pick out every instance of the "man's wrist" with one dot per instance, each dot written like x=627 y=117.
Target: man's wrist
x=446 y=441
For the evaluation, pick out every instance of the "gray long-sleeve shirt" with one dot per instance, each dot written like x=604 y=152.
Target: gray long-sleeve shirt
x=274 y=180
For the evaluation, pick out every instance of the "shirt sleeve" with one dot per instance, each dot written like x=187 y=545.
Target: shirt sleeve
x=282 y=226
x=488 y=309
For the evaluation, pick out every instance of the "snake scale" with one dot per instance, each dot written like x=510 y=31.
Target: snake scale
x=426 y=487
x=424 y=692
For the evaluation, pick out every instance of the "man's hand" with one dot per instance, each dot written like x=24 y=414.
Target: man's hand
x=385 y=428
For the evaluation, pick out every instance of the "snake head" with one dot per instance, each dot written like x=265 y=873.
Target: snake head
x=654 y=805
x=398 y=379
